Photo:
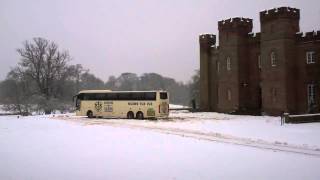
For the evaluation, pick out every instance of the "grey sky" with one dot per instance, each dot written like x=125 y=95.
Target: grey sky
x=114 y=36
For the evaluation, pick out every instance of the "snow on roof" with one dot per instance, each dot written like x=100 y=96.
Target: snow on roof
x=95 y=91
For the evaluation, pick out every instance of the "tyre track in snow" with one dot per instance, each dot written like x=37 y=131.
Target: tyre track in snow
x=208 y=136
x=216 y=137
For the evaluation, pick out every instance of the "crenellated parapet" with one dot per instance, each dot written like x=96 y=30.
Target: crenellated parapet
x=207 y=40
x=266 y=72
x=308 y=36
x=237 y=24
x=282 y=12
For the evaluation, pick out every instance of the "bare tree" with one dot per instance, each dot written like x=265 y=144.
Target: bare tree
x=75 y=72
x=46 y=65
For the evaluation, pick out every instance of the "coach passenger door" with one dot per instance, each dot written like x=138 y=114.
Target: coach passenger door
x=164 y=104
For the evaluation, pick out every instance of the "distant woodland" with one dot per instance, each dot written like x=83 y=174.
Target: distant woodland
x=45 y=81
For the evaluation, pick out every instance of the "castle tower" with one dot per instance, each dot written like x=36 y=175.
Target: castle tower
x=206 y=42
x=308 y=72
x=233 y=64
x=278 y=29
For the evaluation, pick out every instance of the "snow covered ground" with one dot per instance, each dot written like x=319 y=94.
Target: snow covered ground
x=254 y=127
x=176 y=106
x=185 y=146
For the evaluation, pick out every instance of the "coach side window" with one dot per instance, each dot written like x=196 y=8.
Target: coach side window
x=88 y=97
x=138 y=96
x=112 y=96
x=150 y=96
x=80 y=96
x=124 y=96
x=163 y=95
x=99 y=96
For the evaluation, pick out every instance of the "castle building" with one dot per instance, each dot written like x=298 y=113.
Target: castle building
x=271 y=72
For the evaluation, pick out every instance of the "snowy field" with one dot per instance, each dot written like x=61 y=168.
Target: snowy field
x=185 y=146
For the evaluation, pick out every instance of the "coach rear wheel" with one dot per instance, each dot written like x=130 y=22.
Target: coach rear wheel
x=139 y=115
x=130 y=115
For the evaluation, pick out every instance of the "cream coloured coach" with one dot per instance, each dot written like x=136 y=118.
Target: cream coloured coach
x=122 y=104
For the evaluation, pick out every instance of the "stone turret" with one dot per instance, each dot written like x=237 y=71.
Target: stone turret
x=278 y=51
x=206 y=42
x=277 y=13
x=233 y=61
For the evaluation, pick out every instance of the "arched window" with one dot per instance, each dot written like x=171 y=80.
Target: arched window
x=228 y=63
x=273 y=58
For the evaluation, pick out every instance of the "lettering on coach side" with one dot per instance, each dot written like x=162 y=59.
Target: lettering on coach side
x=141 y=103
x=132 y=103
x=108 y=106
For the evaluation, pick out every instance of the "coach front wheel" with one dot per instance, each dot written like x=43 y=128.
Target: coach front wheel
x=90 y=114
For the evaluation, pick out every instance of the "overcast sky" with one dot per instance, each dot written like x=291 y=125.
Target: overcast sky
x=114 y=36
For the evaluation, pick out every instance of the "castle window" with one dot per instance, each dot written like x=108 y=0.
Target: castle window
x=229 y=95
x=228 y=63
x=311 y=94
x=273 y=58
x=310 y=55
x=259 y=61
